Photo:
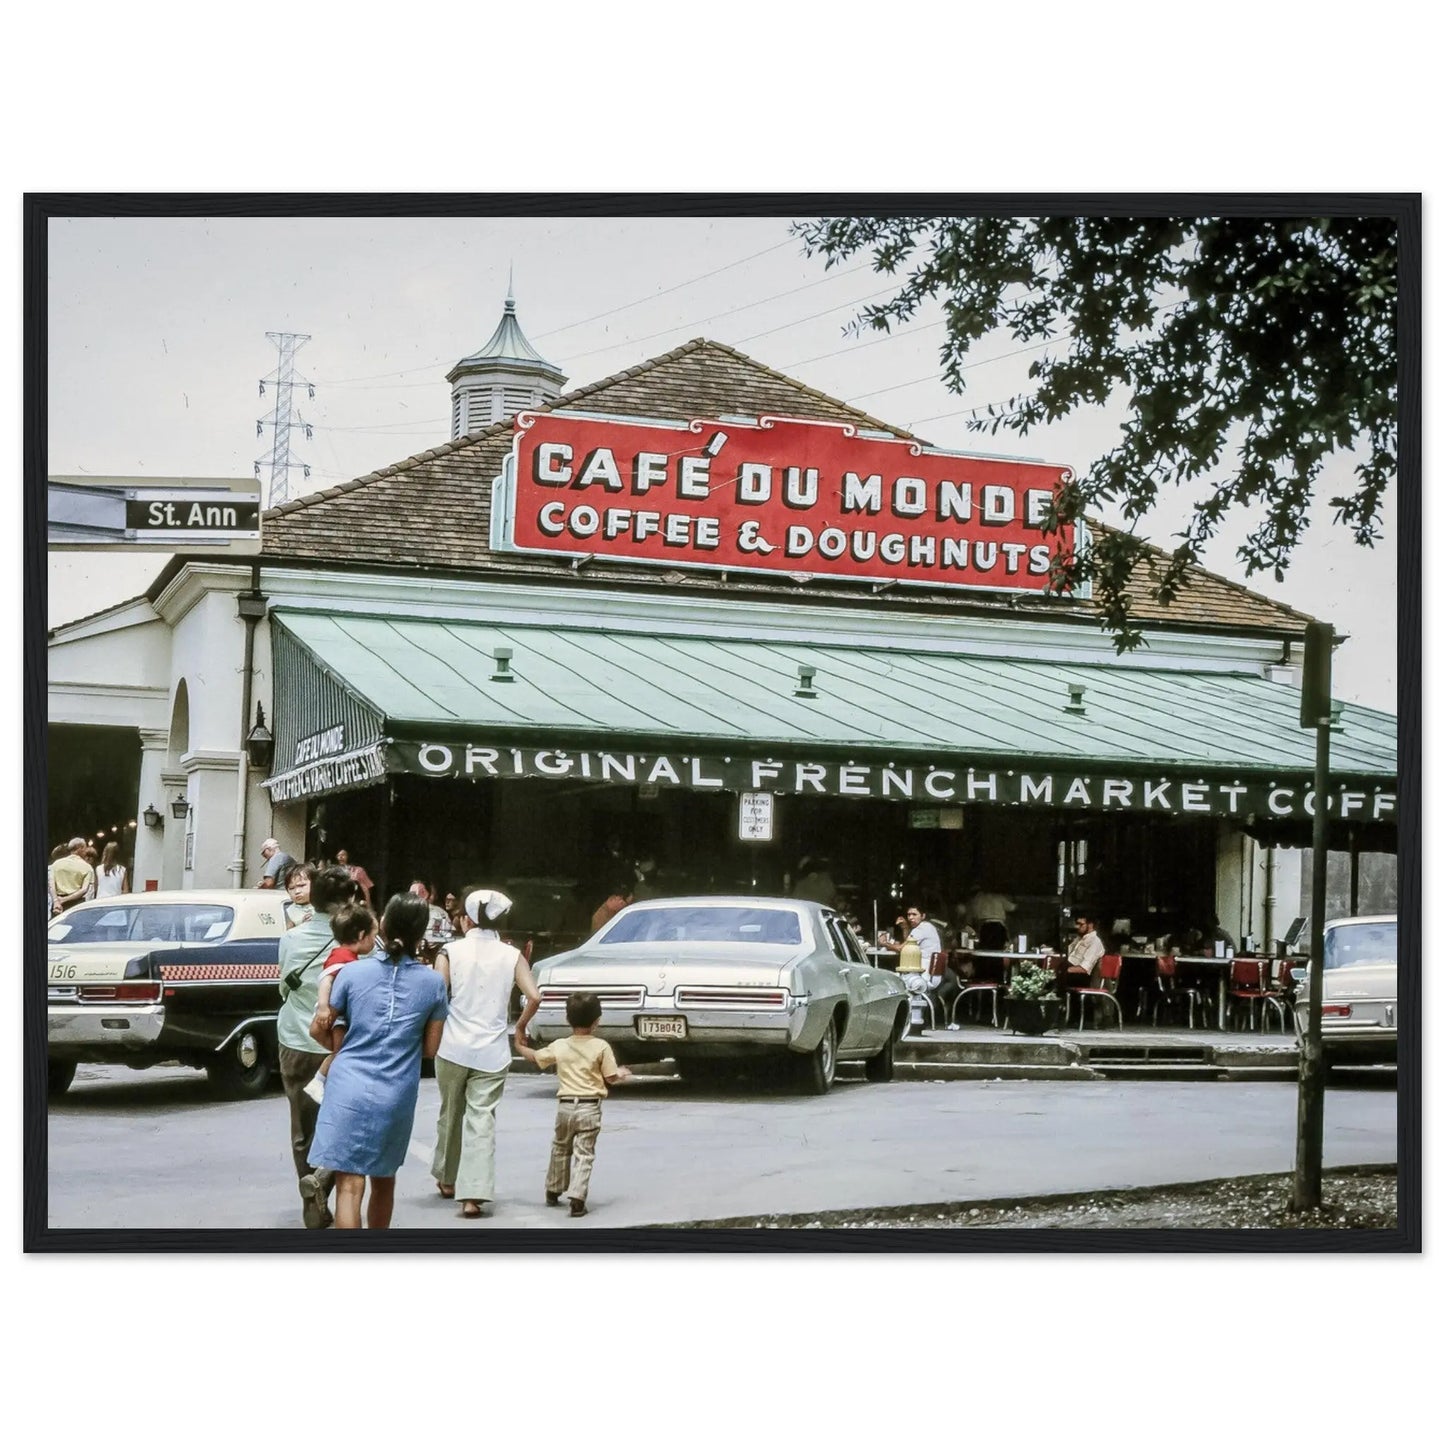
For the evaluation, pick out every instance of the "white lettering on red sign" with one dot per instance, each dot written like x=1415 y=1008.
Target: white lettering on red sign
x=783 y=495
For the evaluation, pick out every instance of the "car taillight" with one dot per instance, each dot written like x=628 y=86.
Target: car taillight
x=1335 y=1011
x=118 y=993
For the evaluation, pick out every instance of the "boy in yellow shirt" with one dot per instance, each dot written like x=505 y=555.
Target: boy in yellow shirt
x=585 y=1066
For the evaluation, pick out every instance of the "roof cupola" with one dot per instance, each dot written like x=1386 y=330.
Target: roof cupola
x=505 y=376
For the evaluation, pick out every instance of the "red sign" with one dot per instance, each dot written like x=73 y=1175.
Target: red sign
x=776 y=494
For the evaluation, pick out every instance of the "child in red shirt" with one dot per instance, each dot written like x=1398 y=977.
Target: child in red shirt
x=354 y=929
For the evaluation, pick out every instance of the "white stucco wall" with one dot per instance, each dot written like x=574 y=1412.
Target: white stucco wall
x=127 y=667
x=111 y=670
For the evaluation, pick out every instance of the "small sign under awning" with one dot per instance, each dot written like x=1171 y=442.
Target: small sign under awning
x=755 y=817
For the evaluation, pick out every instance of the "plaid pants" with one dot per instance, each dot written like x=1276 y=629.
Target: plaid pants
x=574 y=1147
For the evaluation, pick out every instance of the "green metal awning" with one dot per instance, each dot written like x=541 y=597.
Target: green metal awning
x=430 y=688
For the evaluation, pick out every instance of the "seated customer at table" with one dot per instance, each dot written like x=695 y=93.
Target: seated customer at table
x=1199 y=942
x=1084 y=953
x=925 y=934
x=1216 y=934
x=1187 y=939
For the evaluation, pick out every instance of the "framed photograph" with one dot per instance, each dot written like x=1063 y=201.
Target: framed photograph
x=681 y=723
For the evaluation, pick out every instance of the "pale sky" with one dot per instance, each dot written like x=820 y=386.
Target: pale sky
x=158 y=339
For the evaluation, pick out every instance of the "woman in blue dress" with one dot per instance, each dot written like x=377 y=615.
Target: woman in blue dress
x=391 y=1010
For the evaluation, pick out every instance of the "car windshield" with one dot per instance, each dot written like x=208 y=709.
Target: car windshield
x=145 y=923
x=705 y=925
x=1354 y=945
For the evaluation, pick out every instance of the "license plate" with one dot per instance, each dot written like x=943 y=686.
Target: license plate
x=660 y=1026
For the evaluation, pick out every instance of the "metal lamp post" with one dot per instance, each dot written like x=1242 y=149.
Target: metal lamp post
x=1315 y=713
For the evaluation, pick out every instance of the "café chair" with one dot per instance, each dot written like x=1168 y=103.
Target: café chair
x=988 y=978
x=1060 y=965
x=1246 y=989
x=1278 y=984
x=933 y=977
x=1110 y=967
x=1168 y=992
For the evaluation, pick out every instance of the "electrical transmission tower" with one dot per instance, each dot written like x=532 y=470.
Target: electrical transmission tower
x=284 y=381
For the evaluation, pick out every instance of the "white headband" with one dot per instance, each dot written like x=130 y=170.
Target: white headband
x=495 y=904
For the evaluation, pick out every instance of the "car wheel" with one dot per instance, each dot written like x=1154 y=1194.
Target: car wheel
x=879 y=1069
x=816 y=1069
x=244 y=1070
x=58 y=1077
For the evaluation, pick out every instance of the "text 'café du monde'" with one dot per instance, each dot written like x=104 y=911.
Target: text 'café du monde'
x=775 y=493
x=704 y=613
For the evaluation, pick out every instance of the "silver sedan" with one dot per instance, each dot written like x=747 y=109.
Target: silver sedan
x=1358 y=1009
x=706 y=981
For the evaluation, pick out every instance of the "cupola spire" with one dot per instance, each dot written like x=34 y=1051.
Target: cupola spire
x=505 y=376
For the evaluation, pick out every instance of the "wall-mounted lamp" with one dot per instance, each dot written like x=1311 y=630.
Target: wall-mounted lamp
x=260 y=745
x=1076 y=698
x=502 y=665
x=151 y=817
x=180 y=806
x=806 y=674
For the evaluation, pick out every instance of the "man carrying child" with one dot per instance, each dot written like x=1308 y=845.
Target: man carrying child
x=353 y=926
x=302 y=952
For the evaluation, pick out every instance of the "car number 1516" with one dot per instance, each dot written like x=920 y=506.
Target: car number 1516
x=62 y=970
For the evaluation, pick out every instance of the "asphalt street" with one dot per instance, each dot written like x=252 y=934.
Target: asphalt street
x=153 y=1150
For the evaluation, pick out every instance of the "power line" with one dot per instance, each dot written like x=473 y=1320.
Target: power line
x=974 y=410
x=827 y=311
x=934 y=376
x=601 y=315
x=385 y=426
x=557 y=331
x=864 y=345
x=392 y=386
x=731 y=311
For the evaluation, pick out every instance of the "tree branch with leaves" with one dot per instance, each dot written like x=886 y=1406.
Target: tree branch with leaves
x=1248 y=350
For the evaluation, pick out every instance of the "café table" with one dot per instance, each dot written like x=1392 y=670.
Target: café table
x=1010 y=960
x=1007 y=957
x=1222 y=966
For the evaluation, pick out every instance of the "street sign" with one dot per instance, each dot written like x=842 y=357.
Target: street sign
x=1314 y=702
x=755 y=818
x=147 y=514
x=177 y=515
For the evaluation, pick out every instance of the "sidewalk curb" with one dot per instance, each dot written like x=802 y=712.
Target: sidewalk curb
x=833 y=1218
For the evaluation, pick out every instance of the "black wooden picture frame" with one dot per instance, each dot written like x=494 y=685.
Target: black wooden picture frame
x=1404 y=209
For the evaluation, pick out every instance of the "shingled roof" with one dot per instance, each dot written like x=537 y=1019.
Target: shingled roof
x=432 y=511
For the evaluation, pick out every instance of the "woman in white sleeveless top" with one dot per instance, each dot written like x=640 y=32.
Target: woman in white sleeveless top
x=476 y=1050
x=110 y=876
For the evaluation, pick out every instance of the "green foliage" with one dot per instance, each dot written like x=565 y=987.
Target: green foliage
x=1031 y=980
x=1256 y=347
